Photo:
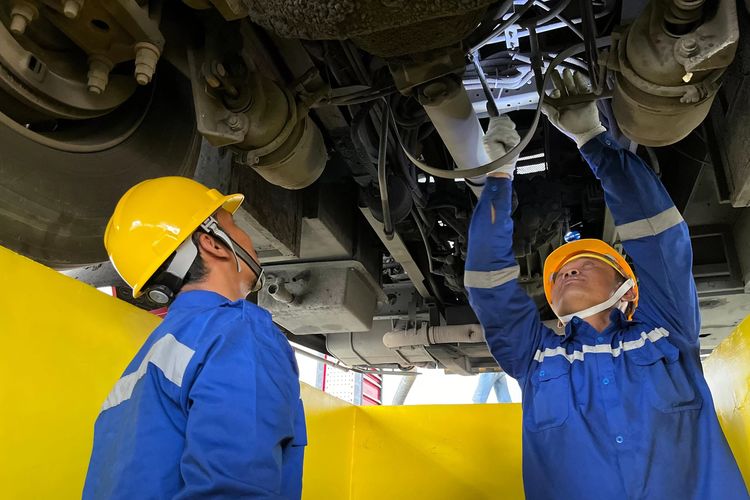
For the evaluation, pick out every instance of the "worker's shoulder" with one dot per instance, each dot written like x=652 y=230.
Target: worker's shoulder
x=238 y=321
x=240 y=317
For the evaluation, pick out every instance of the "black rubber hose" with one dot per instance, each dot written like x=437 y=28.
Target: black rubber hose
x=382 y=179
x=536 y=62
x=468 y=173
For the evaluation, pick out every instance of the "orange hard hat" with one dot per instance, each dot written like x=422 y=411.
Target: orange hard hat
x=588 y=248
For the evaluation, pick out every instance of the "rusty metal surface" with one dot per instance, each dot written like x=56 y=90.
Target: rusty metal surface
x=383 y=27
x=341 y=19
x=46 y=82
x=421 y=36
x=57 y=61
x=280 y=227
x=666 y=84
x=730 y=119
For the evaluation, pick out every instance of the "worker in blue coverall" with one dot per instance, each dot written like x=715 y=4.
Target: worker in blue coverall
x=210 y=406
x=489 y=381
x=616 y=407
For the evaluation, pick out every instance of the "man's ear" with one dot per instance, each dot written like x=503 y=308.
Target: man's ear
x=208 y=245
x=629 y=295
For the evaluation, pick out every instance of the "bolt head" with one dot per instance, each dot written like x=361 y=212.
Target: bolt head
x=213 y=82
x=71 y=9
x=234 y=122
x=688 y=46
x=142 y=78
x=18 y=24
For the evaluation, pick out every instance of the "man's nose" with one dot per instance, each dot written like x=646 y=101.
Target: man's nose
x=570 y=272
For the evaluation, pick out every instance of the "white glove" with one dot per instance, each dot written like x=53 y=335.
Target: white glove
x=580 y=122
x=500 y=138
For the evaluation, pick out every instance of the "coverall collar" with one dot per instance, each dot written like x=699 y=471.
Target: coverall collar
x=198 y=299
x=579 y=328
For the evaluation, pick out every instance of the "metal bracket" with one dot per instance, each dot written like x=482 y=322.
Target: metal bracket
x=511 y=37
x=713 y=44
x=217 y=124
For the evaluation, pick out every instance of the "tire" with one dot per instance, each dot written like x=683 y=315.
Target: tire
x=54 y=205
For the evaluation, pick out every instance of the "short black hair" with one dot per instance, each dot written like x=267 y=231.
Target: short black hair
x=198 y=271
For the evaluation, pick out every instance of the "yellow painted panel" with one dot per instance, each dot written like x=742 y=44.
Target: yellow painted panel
x=328 y=457
x=64 y=345
x=438 y=452
x=728 y=373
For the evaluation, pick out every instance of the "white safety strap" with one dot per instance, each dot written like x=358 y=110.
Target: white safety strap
x=607 y=304
x=183 y=259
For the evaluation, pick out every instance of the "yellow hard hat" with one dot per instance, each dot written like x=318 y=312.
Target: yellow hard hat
x=153 y=218
x=589 y=248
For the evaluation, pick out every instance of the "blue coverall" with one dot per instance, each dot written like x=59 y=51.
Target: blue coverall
x=209 y=408
x=620 y=414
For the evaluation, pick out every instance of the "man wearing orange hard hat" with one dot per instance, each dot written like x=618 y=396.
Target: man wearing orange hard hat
x=616 y=406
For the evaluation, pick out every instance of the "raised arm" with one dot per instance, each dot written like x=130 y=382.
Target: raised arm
x=651 y=228
x=653 y=233
x=510 y=319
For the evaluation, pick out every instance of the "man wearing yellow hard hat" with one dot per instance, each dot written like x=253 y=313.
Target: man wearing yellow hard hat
x=615 y=406
x=210 y=406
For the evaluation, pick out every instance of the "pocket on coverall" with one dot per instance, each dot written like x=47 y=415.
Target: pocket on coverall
x=666 y=382
x=549 y=404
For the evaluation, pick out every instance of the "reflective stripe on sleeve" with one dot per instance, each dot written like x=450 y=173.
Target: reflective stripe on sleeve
x=490 y=279
x=650 y=226
x=167 y=354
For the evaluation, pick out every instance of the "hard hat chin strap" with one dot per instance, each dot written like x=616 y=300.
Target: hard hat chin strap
x=608 y=304
x=211 y=226
x=163 y=287
x=169 y=282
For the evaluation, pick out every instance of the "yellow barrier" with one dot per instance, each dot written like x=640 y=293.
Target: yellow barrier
x=65 y=344
x=437 y=452
x=728 y=373
x=411 y=452
x=329 y=453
